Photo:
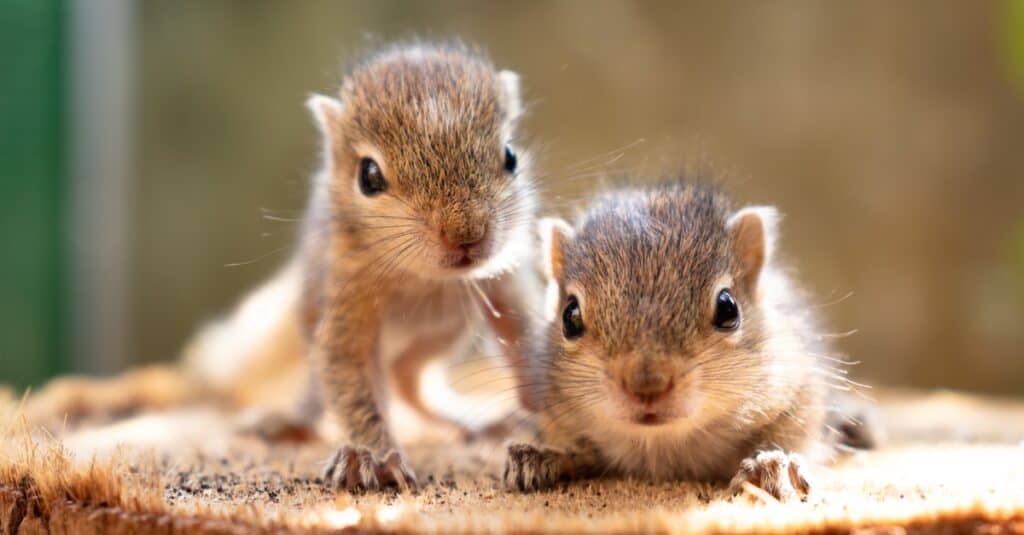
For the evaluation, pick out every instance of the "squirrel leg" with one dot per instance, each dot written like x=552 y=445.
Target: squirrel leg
x=560 y=457
x=352 y=385
x=530 y=468
x=782 y=475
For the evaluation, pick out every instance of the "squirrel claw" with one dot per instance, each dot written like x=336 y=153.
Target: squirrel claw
x=529 y=469
x=356 y=468
x=778 y=473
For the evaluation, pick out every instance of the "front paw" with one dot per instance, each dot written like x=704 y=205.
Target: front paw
x=356 y=468
x=530 y=469
x=776 y=472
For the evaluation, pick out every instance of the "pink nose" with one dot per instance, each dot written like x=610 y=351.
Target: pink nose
x=456 y=240
x=648 y=389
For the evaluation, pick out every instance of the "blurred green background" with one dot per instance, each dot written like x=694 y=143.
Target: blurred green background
x=142 y=144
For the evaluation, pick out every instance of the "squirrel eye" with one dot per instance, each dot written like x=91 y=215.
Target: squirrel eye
x=371 y=180
x=572 y=319
x=510 y=159
x=727 y=312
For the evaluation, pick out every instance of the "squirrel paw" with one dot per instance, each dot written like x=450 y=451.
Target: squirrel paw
x=530 y=469
x=776 y=472
x=354 y=468
x=275 y=426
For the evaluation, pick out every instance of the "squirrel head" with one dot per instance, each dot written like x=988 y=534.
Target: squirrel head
x=422 y=164
x=654 y=304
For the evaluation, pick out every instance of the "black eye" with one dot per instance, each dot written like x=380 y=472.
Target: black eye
x=572 y=319
x=510 y=160
x=727 y=312
x=371 y=180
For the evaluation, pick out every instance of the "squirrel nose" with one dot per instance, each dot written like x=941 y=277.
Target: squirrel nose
x=648 y=388
x=464 y=238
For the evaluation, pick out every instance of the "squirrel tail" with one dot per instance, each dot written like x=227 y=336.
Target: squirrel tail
x=254 y=355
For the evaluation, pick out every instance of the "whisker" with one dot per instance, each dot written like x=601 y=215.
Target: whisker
x=483 y=297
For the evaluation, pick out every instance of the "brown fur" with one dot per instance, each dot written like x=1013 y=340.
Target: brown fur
x=436 y=120
x=646 y=266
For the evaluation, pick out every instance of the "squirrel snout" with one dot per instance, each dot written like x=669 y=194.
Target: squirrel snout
x=648 y=388
x=462 y=237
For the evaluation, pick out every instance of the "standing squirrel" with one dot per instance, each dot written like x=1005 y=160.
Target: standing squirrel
x=675 y=348
x=421 y=190
x=422 y=204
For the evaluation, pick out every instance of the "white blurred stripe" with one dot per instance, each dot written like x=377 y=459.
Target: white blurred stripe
x=101 y=45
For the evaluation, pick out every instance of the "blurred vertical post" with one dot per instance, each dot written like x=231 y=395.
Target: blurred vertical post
x=102 y=45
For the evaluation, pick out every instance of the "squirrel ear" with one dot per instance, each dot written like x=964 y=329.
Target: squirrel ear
x=554 y=234
x=327 y=113
x=510 y=82
x=753 y=232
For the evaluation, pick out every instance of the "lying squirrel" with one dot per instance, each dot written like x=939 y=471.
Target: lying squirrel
x=676 y=348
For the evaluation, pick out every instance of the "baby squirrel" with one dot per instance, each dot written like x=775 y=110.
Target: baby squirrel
x=675 y=348
x=422 y=202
